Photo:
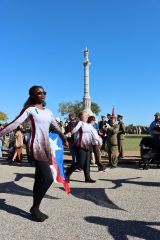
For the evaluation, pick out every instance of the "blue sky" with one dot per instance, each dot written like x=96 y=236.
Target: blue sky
x=42 y=43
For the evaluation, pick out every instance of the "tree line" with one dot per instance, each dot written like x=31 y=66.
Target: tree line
x=64 y=108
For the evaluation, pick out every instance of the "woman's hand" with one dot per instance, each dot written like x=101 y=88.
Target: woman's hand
x=68 y=135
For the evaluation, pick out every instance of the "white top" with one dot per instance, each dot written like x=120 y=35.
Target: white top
x=40 y=122
x=85 y=136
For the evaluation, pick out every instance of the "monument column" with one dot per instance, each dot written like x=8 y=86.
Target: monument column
x=86 y=98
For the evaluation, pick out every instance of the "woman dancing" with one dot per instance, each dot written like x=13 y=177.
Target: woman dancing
x=40 y=118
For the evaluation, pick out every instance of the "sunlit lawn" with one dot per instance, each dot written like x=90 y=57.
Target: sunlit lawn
x=132 y=141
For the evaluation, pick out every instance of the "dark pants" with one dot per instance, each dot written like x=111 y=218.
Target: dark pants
x=43 y=180
x=120 y=148
x=112 y=155
x=83 y=162
x=97 y=154
x=157 y=147
x=72 y=151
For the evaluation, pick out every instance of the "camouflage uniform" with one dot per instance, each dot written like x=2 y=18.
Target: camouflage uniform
x=112 y=145
x=120 y=138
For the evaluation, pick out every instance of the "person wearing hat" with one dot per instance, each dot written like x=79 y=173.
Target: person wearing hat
x=112 y=142
x=108 y=116
x=102 y=132
x=120 y=136
x=154 y=130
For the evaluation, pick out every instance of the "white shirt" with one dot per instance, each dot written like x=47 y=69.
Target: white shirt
x=85 y=135
x=40 y=122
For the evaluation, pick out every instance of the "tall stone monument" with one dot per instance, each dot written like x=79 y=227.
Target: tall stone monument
x=86 y=98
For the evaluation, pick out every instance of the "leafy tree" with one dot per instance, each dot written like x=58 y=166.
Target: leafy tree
x=95 y=108
x=129 y=128
x=3 y=116
x=67 y=107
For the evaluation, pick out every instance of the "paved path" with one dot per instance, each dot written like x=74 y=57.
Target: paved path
x=124 y=203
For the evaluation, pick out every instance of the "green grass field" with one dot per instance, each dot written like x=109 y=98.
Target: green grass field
x=132 y=141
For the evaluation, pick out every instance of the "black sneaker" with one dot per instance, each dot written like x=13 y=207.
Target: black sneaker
x=90 y=180
x=38 y=215
x=11 y=162
x=45 y=215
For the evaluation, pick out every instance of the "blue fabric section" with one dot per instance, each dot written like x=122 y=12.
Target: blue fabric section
x=59 y=153
x=0 y=148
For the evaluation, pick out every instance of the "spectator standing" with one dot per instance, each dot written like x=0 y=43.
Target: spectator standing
x=102 y=130
x=18 y=145
x=71 y=124
x=97 y=147
x=154 y=130
x=120 y=136
x=27 y=136
x=1 y=140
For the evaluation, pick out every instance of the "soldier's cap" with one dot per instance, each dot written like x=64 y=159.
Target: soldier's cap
x=157 y=114
x=119 y=116
x=108 y=114
x=103 y=116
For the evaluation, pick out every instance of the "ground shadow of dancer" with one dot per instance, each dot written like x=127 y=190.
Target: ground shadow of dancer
x=14 y=210
x=19 y=176
x=119 y=229
x=13 y=188
x=119 y=182
x=95 y=195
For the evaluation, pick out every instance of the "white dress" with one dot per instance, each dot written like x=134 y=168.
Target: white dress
x=40 y=122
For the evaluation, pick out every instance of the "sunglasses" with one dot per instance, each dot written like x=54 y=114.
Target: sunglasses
x=41 y=93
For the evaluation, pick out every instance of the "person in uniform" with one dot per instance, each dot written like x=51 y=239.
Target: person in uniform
x=120 y=136
x=112 y=142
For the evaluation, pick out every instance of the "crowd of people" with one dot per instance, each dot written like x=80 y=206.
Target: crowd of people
x=109 y=137
x=83 y=135
x=86 y=135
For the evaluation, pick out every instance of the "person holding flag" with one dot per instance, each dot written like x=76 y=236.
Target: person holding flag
x=39 y=145
x=57 y=151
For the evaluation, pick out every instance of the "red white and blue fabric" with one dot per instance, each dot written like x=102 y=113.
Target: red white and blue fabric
x=57 y=166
